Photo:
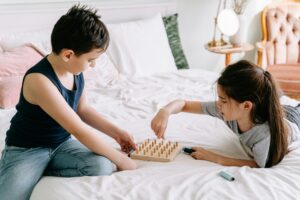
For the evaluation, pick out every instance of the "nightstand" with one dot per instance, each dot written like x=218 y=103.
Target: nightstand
x=229 y=49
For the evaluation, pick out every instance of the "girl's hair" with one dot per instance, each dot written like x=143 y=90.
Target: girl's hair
x=80 y=30
x=244 y=81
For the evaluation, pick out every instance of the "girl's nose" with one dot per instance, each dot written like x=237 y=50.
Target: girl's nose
x=218 y=105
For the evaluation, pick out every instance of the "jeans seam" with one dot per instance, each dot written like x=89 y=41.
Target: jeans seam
x=75 y=156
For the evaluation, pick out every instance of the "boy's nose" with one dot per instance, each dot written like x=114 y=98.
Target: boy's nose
x=93 y=64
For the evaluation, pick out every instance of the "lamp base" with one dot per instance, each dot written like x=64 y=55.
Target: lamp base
x=217 y=43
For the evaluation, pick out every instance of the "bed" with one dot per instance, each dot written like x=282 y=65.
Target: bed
x=129 y=95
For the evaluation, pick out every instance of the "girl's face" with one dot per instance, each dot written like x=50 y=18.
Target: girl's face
x=78 y=64
x=230 y=109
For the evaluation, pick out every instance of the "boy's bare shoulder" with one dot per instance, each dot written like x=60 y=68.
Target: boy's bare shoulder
x=37 y=86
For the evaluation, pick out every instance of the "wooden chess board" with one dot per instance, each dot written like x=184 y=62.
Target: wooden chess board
x=156 y=150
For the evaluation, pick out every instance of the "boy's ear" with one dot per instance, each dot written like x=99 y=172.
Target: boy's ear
x=248 y=105
x=66 y=54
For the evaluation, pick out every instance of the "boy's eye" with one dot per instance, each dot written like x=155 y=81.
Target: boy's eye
x=91 y=60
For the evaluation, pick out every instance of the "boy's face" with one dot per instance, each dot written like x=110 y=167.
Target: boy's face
x=78 y=64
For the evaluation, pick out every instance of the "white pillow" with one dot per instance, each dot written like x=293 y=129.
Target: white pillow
x=44 y=47
x=103 y=74
x=9 y=41
x=140 y=48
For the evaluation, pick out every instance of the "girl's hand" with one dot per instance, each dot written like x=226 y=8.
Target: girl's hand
x=159 y=123
x=202 y=154
x=126 y=141
x=126 y=163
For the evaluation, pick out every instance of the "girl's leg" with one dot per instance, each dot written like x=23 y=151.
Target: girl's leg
x=292 y=114
x=20 y=170
x=73 y=159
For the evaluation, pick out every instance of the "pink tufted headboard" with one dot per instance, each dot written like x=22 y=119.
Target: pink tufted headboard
x=281 y=33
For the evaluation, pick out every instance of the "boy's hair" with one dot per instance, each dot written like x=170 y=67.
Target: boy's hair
x=244 y=81
x=80 y=30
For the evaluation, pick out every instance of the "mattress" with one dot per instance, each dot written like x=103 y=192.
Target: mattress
x=131 y=103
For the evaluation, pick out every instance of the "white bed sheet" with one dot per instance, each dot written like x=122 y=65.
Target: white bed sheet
x=131 y=103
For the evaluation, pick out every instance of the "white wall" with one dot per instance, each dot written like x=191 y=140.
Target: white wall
x=196 y=29
x=196 y=23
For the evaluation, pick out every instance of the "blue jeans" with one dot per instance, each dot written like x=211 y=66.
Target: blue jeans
x=22 y=168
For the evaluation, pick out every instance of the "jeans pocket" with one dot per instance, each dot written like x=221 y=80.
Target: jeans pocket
x=13 y=150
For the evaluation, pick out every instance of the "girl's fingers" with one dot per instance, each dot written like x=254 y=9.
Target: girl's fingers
x=197 y=148
x=157 y=130
x=153 y=125
x=193 y=155
x=161 y=131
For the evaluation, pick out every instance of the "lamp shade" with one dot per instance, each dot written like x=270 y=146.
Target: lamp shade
x=228 y=22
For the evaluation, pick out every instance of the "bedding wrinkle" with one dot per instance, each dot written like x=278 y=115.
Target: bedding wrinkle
x=131 y=103
x=132 y=79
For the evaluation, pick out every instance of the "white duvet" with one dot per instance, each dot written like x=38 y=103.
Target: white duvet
x=131 y=103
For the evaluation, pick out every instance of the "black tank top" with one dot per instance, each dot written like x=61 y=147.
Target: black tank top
x=33 y=127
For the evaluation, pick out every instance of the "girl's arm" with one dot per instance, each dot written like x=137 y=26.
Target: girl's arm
x=177 y=106
x=89 y=115
x=40 y=91
x=202 y=154
x=160 y=121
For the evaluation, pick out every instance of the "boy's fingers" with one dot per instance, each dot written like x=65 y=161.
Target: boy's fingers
x=133 y=145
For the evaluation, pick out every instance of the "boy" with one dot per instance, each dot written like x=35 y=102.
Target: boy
x=53 y=106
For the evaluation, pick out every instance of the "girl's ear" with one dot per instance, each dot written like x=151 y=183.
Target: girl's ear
x=66 y=54
x=248 y=105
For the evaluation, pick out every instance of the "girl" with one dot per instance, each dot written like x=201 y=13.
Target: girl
x=248 y=102
x=53 y=106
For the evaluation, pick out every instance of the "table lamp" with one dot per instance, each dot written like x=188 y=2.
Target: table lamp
x=227 y=22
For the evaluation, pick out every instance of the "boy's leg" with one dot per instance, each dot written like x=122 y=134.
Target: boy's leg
x=20 y=170
x=73 y=159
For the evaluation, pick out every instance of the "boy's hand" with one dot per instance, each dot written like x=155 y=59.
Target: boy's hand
x=159 y=123
x=126 y=141
x=126 y=164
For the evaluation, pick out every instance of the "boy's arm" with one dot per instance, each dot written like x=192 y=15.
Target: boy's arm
x=89 y=115
x=40 y=91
